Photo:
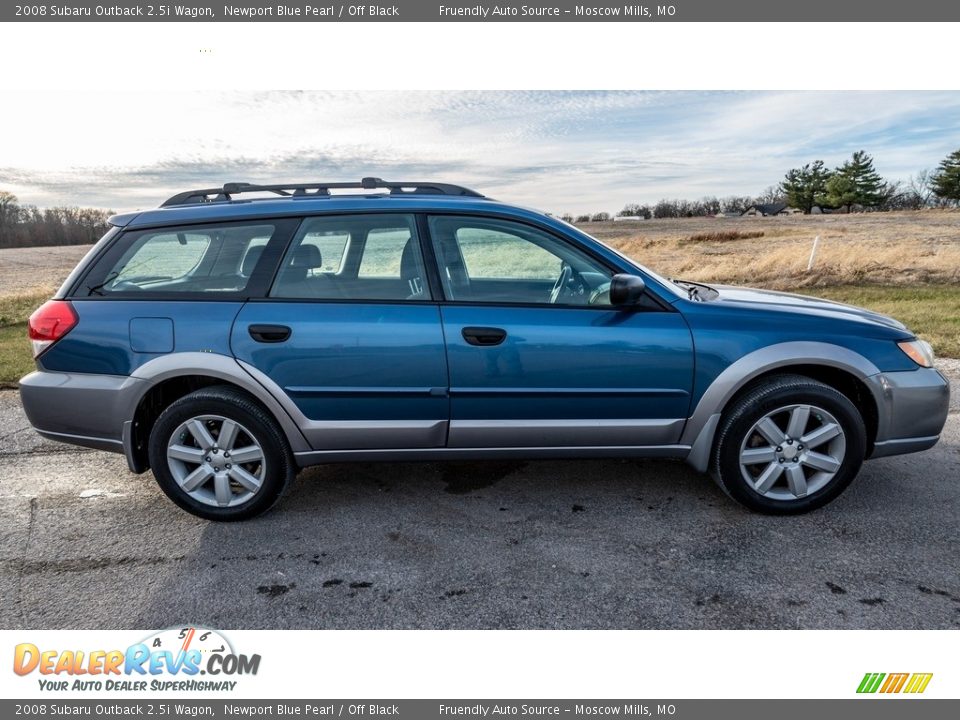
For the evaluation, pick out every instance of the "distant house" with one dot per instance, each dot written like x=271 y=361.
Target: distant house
x=769 y=209
x=628 y=218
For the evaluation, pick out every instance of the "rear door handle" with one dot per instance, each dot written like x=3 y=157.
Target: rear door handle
x=269 y=333
x=484 y=336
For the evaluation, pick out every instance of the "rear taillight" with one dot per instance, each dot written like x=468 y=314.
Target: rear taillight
x=50 y=322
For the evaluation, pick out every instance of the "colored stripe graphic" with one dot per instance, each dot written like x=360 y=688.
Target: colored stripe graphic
x=870 y=682
x=894 y=683
x=918 y=682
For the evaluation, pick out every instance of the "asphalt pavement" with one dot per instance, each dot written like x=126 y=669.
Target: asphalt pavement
x=552 y=544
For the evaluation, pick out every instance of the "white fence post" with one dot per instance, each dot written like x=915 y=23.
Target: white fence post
x=813 y=253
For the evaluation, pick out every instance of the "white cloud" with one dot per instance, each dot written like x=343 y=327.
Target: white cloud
x=573 y=151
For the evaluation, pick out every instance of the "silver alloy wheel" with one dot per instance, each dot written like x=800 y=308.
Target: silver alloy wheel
x=792 y=452
x=216 y=460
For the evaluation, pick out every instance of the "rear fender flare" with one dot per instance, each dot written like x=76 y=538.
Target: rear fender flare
x=223 y=367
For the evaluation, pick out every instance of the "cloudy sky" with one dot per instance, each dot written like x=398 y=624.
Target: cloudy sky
x=560 y=151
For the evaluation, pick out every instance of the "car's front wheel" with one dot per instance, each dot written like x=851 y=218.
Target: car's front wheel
x=789 y=445
x=219 y=455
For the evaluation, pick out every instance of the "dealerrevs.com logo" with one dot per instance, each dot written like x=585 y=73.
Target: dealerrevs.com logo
x=178 y=659
x=888 y=683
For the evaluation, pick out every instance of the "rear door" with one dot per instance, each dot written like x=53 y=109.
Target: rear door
x=351 y=335
x=537 y=355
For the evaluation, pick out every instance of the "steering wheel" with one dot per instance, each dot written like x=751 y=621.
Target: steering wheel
x=566 y=274
x=601 y=295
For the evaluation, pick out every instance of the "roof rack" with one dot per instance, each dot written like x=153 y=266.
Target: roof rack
x=229 y=190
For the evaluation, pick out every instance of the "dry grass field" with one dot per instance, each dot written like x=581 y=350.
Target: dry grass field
x=902 y=264
x=901 y=249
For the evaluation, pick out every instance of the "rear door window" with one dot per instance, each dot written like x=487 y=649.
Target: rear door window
x=354 y=257
x=332 y=245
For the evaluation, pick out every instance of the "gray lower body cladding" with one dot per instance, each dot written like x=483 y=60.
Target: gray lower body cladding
x=92 y=411
x=912 y=405
x=78 y=408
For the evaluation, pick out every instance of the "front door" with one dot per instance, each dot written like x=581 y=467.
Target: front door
x=537 y=355
x=351 y=337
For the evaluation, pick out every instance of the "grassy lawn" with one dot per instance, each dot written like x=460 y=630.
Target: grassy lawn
x=16 y=357
x=931 y=311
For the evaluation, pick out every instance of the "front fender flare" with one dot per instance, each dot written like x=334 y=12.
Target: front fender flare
x=701 y=428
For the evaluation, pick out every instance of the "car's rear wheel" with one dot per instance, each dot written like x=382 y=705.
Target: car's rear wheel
x=789 y=445
x=219 y=455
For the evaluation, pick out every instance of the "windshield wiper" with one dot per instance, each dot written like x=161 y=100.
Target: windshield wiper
x=98 y=289
x=692 y=288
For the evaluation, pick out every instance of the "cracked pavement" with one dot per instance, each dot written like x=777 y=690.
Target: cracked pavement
x=551 y=544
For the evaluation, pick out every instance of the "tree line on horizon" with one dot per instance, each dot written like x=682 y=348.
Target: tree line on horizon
x=853 y=186
x=30 y=226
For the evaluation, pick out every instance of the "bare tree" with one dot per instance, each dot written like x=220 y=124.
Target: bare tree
x=29 y=226
x=771 y=194
x=636 y=210
x=919 y=185
x=737 y=203
x=9 y=211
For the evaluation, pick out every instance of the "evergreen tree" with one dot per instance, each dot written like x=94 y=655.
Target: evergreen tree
x=841 y=192
x=802 y=186
x=946 y=180
x=856 y=182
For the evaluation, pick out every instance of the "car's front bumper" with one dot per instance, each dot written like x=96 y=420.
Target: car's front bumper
x=912 y=410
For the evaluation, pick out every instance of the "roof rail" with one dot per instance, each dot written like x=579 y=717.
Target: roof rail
x=229 y=190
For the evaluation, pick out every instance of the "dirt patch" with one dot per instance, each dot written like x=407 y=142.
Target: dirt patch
x=28 y=271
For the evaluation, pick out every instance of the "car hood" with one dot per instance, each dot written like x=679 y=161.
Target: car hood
x=790 y=302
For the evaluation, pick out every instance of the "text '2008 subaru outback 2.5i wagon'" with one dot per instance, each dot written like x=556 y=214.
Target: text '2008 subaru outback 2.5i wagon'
x=227 y=339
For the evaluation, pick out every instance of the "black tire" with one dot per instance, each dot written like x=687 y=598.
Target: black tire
x=766 y=397
x=228 y=402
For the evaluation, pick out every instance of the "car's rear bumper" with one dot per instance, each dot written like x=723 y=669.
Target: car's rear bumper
x=913 y=409
x=77 y=408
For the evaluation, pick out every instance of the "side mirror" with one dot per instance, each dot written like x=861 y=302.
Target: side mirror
x=626 y=289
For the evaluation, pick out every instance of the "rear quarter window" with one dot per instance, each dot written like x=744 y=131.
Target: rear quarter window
x=207 y=260
x=165 y=256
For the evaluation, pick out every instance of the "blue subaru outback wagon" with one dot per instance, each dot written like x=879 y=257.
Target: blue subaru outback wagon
x=237 y=334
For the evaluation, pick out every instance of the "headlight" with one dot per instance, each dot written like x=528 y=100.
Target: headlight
x=919 y=351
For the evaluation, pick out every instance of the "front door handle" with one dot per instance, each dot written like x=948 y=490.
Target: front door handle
x=484 y=336
x=269 y=333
